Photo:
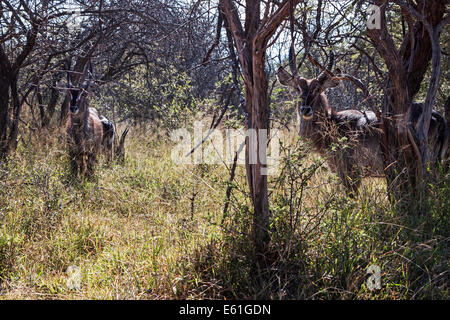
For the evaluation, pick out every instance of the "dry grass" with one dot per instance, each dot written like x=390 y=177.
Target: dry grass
x=152 y=229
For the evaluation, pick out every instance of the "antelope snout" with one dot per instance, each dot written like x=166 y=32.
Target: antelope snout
x=74 y=109
x=306 y=112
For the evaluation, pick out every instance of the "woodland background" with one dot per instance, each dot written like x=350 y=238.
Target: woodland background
x=151 y=229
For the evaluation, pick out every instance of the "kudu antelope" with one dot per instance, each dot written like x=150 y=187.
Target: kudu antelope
x=324 y=127
x=87 y=131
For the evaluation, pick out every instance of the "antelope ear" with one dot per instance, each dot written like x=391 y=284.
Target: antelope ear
x=285 y=78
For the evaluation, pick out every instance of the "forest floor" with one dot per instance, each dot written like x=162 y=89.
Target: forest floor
x=154 y=229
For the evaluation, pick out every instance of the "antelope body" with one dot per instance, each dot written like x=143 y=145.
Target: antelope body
x=87 y=132
x=325 y=127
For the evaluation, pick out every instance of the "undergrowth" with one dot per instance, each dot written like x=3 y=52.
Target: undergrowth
x=152 y=229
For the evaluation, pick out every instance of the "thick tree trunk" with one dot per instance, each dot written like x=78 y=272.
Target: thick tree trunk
x=251 y=42
x=405 y=142
x=17 y=108
x=257 y=175
x=402 y=166
x=4 y=105
x=9 y=72
x=447 y=109
x=9 y=128
x=5 y=84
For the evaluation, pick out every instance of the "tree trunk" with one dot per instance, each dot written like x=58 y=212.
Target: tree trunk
x=251 y=40
x=17 y=108
x=4 y=106
x=258 y=106
x=405 y=142
x=5 y=84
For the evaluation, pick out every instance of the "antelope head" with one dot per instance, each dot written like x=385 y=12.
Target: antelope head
x=78 y=95
x=313 y=101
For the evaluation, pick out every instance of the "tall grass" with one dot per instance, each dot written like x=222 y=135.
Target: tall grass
x=152 y=229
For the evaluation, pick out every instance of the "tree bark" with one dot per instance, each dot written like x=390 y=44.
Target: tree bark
x=9 y=73
x=251 y=44
x=259 y=121
x=4 y=104
x=17 y=108
x=405 y=143
x=5 y=84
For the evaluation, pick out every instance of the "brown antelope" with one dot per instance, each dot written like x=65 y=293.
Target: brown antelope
x=87 y=132
x=323 y=126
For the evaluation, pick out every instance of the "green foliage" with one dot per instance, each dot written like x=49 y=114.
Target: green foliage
x=157 y=96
